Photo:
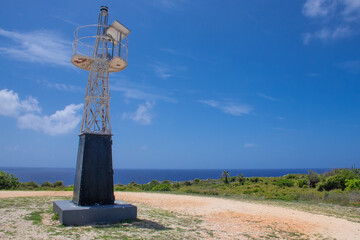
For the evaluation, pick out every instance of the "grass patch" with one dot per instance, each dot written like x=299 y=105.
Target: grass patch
x=35 y=217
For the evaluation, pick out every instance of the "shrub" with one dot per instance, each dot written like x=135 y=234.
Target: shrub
x=155 y=182
x=69 y=188
x=47 y=184
x=302 y=182
x=240 y=178
x=166 y=182
x=29 y=185
x=176 y=185
x=352 y=184
x=8 y=181
x=290 y=176
x=162 y=187
x=59 y=184
x=232 y=179
x=187 y=183
x=196 y=181
x=254 y=179
x=284 y=183
x=338 y=180
x=150 y=185
x=119 y=188
x=313 y=179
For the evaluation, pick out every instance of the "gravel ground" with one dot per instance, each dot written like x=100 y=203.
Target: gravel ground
x=233 y=219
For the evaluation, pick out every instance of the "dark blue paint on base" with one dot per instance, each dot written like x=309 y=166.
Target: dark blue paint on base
x=71 y=214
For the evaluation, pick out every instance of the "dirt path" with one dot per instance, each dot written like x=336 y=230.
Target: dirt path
x=233 y=219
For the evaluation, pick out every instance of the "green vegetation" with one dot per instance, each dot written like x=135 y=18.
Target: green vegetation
x=338 y=186
x=35 y=217
x=8 y=181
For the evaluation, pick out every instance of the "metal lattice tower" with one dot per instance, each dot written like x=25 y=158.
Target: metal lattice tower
x=101 y=54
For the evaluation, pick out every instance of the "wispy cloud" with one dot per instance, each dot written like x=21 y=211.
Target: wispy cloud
x=61 y=86
x=46 y=47
x=249 y=145
x=141 y=92
x=168 y=4
x=231 y=108
x=266 y=97
x=71 y=22
x=142 y=115
x=28 y=114
x=178 y=53
x=350 y=66
x=327 y=34
x=164 y=71
x=338 y=19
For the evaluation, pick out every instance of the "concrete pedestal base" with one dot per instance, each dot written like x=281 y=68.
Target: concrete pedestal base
x=74 y=215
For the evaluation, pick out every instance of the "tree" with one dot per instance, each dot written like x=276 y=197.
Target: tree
x=313 y=178
x=225 y=174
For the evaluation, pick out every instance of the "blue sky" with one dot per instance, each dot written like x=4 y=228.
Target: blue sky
x=209 y=84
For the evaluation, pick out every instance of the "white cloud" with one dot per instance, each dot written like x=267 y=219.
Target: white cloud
x=328 y=34
x=249 y=145
x=338 y=19
x=61 y=122
x=142 y=115
x=266 y=97
x=318 y=8
x=42 y=46
x=351 y=10
x=234 y=109
x=28 y=114
x=12 y=106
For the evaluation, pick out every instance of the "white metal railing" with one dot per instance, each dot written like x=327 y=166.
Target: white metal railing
x=84 y=44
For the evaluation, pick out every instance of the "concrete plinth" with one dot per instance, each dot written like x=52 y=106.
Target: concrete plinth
x=71 y=214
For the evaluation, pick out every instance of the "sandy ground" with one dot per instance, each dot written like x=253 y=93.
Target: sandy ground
x=231 y=218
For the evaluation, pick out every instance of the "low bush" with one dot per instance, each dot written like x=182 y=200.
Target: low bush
x=162 y=187
x=302 y=183
x=196 y=181
x=240 y=178
x=290 y=176
x=254 y=179
x=47 y=184
x=59 y=184
x=284 y=183
x=29 y=185
x=8 y=181
x=352 y=184
x=337 y=180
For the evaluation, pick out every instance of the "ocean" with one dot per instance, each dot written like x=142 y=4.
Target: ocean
x=141 y=176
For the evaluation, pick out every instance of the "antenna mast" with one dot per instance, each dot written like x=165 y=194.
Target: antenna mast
x=108 y=53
